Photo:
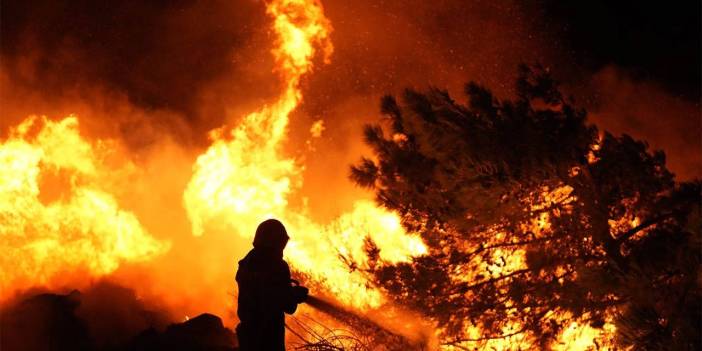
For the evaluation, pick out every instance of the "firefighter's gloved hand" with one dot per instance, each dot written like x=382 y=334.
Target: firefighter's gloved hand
x=299 y=292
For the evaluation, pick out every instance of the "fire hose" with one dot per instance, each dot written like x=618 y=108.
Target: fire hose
x=360 y=323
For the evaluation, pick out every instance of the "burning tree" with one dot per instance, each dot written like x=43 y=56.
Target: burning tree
x=533 y=219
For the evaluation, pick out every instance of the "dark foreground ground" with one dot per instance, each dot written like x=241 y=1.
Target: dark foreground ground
x=48 y=322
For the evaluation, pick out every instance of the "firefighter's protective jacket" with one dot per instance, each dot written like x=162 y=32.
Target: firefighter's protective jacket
x=265 y=293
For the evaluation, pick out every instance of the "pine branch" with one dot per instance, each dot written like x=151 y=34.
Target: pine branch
x=464 y=289
x=648 y=223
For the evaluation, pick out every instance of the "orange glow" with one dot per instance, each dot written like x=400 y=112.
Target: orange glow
x=579 y=336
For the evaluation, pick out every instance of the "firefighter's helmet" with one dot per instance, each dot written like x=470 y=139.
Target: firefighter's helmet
x=271 y=234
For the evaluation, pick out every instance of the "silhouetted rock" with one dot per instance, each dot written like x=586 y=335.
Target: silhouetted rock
x=202 y=333
x=44 y=322
x=54 y=322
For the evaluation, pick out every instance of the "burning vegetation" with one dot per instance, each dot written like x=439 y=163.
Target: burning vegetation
x=500 y=224
x=535 y=222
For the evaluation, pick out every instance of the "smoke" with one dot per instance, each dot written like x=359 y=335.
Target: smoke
x=164 y=61
x=621 y=104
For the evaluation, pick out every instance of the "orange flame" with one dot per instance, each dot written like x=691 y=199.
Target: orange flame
x=82 y=228
x=243 y=178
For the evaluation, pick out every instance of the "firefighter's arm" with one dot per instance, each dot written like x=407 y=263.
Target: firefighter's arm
x=294 y=294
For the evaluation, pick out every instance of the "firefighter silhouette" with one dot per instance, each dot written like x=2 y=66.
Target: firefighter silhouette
x=266 y=291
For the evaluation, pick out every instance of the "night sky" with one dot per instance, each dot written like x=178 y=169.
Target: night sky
x=650 y=41
x=189 y=66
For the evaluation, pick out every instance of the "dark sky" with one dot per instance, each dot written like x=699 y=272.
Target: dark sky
x=191 y=64
x=650 y=40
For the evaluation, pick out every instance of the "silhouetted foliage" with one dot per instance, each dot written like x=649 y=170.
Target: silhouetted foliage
x=532 y=218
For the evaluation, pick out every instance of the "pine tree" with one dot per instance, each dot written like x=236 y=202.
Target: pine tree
x=533 y=217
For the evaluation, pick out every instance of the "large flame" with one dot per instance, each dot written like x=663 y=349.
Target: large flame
x=82 y=228
x=244 y=177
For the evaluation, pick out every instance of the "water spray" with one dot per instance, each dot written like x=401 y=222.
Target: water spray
x=363 y=325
